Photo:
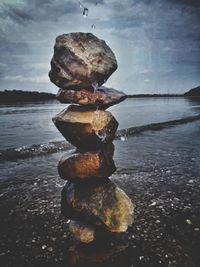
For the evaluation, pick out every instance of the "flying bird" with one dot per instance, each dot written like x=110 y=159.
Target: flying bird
x=84 y=9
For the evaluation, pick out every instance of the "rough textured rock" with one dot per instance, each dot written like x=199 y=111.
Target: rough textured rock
x=102 y=204
x=75 y=165
x=85 y=127
x=82 y=232
x=101 y=97
x=81 y=60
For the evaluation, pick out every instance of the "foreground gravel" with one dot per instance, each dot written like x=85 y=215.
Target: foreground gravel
x=165 y=232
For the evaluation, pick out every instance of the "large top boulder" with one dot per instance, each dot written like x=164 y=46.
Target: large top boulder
x=81 y=60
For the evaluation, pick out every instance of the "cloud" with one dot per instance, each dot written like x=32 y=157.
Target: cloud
x=15 y=14
x=36 y=79
x=37 y=10
x=93 y=2
x=186 y=2
x=151 y=39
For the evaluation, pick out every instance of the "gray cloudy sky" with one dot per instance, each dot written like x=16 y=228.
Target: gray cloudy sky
x=156 y=42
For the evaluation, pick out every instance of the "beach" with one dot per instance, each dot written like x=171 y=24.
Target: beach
x=159 y=170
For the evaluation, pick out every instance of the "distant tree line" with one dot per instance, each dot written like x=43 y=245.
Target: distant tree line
x=12 y=96
x=155 y=95
x=194 y=92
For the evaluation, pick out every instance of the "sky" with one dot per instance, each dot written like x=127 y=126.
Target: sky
x=156 y=42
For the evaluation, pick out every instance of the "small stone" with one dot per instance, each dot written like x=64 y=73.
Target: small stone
x=101 y=97
x=196 y=229
x=86 y=128
x=44 y=247
x=153 y=204
x=76 y=165
x=82 y=232
x=80 y=60
x=99 y=203
x=50 y=249
x=188 y=221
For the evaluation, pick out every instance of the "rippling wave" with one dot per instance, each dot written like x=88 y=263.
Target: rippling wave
x=33 y=150
x=56 y=146
x=154 y=126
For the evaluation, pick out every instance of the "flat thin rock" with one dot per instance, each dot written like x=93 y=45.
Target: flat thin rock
x=79 y=166
x=82 y=231
x=86 y=128
x=81 y=60
x=102 y=204
x=101 y=97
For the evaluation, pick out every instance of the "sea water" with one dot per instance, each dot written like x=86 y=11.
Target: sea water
x=30 y=125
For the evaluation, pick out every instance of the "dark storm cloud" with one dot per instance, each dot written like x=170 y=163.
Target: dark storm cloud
x=26 y=29
x=38 y=10
x=186 y=2
x=11 y=56
x=97 y=2
x=158 y=40
x=16 y=14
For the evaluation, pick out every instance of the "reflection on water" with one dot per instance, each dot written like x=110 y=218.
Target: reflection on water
x=141 y=111
x=194 y=103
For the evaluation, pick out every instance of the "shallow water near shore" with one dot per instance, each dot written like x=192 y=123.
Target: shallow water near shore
x=160 y=172
x=31 y=123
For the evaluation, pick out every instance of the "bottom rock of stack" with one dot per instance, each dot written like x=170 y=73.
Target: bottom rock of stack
x=98 y=203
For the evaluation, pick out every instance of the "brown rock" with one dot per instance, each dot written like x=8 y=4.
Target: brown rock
x=81 y=60
x=77 y=165
x=101 y=204
x=101 y=97
x=86 y=128
x=82 y=232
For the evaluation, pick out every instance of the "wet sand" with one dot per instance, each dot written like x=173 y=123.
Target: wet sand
x=165 y=232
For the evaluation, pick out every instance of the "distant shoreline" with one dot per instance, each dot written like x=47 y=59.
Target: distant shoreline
x=19 y=96
x=154 y=95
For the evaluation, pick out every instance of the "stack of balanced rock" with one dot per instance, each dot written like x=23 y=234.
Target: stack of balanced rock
x=80 y=65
